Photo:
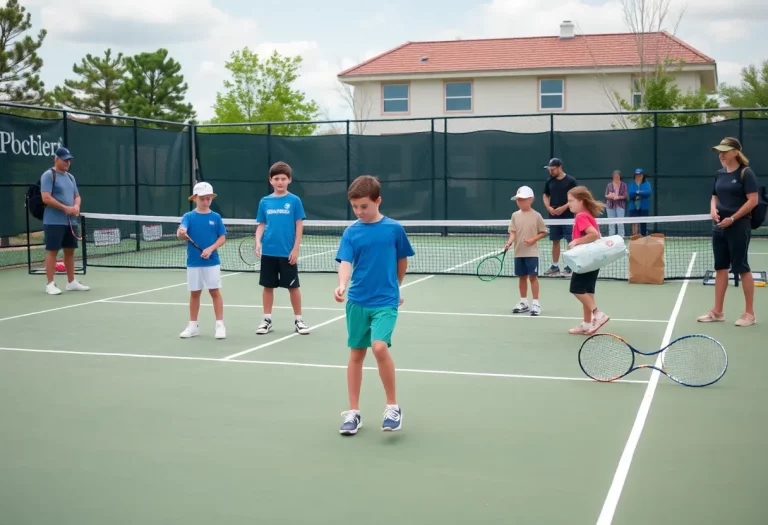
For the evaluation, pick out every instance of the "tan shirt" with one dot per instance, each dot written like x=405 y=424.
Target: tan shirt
x=526 y=225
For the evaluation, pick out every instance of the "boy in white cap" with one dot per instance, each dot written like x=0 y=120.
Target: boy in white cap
x=526 y=228
x=205 y=233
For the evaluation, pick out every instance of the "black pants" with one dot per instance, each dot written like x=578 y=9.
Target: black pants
x=730 y=246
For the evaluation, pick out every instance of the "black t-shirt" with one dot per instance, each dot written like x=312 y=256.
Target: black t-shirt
x=731 y=191
x=558 y=194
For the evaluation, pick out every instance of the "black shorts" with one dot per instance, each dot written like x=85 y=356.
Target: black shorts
x=58 y=236
x=526 y=266
x=560 y=231
x=730 y=246
x=582 y=283
x=278 y=272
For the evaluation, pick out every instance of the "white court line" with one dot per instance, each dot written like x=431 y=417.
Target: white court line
x=103 y=300
x=233 y=356
x=417 y=312
x=620 y=477
x=228 y=274
x=308 y=365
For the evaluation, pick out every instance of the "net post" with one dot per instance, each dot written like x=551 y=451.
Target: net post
x=433 y=168
x=137 y=226
x=349 y=172
x=84 y=235
x=29 y=248
x=655 y=167
x=269 y=155
x=445 y=174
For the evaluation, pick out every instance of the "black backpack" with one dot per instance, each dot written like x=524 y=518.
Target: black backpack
x=758 y=213
x=35 y=203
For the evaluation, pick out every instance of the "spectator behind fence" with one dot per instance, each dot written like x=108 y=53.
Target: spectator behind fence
x=616 y=202
x=734 y=195
x=639 y=191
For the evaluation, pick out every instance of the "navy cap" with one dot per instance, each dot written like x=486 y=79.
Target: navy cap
x=63 y=153
x=639 y=171
x=554 y=162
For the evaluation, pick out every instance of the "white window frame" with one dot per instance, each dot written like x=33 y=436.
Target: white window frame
x=407 y=98
x=561 y=95
x=462 y=97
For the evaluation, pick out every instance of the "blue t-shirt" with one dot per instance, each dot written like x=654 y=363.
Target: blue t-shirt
x=204 y=229
x=374 y=249
x=280 y=215
x=64 y=191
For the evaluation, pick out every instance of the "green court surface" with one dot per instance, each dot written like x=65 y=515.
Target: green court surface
x=109 y=417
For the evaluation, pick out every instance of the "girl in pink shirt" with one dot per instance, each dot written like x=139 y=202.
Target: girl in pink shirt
x=585 y=230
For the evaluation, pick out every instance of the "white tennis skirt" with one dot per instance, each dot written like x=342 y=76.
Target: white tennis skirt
x=203 y=276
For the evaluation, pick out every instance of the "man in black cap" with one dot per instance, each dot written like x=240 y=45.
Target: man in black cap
x=62 y=206
x=555 y=197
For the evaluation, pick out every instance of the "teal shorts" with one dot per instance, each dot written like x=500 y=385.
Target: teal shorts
x=369 y=324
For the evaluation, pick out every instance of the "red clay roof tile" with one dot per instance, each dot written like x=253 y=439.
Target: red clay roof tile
x=608 y=50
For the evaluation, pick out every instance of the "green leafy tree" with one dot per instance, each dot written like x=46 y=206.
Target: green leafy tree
x=752 y=93
x=155 y=88
x=19 y=62
x=659 y=91
x=261 y=91
x=97 y=89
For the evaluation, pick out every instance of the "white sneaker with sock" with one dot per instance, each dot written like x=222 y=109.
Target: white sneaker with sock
x=221 y=331
x=52 y=289
x=76 y=286
x=192 y=330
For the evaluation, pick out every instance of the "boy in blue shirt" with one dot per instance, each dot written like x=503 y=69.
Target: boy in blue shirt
x=373 y=251
x=278 y=238
x=204 y=228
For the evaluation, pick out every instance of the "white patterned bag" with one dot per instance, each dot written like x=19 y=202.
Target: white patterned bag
x=592 y=256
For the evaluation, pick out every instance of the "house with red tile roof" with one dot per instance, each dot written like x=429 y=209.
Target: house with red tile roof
x=532 y=76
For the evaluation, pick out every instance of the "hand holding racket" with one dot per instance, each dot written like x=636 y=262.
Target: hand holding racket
x=692 y=360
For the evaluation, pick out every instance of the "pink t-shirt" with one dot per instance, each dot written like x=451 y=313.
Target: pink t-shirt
x=583 y=221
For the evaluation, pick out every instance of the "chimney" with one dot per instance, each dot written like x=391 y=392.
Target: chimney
x=567 y=30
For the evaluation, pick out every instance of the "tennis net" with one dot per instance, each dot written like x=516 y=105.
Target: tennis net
x=442 y=247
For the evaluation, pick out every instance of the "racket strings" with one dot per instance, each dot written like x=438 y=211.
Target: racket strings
x=605 y=358
x=490 y=267
x=695 y=361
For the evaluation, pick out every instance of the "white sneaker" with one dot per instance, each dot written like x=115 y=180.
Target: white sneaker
x=191 y=330
x=264 y=327
x=301 y=327
x=52 y=289
x=535 y=309
x=75 y=286
x=221 y=332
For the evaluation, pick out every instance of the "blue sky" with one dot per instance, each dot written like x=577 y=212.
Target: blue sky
x=336 y=34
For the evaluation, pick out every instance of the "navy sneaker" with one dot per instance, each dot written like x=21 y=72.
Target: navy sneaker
x=393 y=419
x=352 y=422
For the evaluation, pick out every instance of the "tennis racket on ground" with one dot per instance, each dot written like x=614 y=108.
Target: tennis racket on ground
x=247 y=251
x=692 y=360
x=490 y=267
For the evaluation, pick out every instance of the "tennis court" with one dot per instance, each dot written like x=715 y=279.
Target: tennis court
x=109 y=417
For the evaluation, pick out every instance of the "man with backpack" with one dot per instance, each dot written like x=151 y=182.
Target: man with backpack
x=61 y=199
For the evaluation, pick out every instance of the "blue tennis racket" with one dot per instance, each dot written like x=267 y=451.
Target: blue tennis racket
x=692 y=360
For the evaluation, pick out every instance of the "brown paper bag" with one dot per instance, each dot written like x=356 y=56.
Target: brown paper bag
x=646 y=259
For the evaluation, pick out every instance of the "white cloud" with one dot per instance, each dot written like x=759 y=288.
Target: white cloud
x=132 y=22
